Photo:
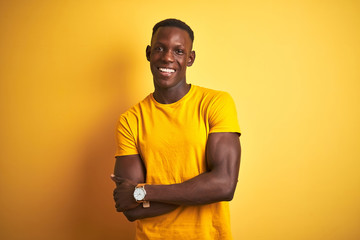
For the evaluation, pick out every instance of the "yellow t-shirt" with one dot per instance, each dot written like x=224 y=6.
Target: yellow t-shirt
x=171 y=140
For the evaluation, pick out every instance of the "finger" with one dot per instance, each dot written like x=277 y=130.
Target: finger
x=119 y=209
x=116 y=194
x=117 y=179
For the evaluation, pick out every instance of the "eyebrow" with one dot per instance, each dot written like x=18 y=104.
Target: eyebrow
x=176 y=44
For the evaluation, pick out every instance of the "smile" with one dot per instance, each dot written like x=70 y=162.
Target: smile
x=166 y=70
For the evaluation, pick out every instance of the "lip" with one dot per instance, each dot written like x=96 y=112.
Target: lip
x=166 y=72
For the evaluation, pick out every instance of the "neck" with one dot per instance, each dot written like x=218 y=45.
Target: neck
x=171 y=95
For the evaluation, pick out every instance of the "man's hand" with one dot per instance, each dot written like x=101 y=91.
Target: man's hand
x=123 y=194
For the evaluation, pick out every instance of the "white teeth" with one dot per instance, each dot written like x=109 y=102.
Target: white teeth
x=168 y=70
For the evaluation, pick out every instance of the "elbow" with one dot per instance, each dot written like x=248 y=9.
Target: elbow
x=228 y=194
x=131 y=219
x=130 y=216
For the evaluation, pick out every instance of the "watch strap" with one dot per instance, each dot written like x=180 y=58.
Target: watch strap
x=146 y=204
x=140 y=185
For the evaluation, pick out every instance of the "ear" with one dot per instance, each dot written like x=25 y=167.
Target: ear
x=148 y=52
x=191 y=59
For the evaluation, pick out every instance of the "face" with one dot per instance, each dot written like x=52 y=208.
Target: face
x=169 y=55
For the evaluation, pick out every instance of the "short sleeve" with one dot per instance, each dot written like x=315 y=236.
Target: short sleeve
x=125 y=141
x=222 y=114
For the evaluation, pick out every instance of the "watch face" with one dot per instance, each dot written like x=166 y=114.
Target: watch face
x=139 y=194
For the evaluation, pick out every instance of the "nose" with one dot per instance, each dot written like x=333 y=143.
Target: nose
x=168 y=56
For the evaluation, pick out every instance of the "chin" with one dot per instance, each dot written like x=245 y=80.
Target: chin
x=165 y=83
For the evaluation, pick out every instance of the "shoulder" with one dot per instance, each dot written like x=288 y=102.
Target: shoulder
x=212 y=95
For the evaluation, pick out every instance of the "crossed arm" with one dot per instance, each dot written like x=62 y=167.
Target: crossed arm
x=217 y=184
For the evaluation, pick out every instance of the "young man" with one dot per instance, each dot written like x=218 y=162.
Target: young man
x=178 y=152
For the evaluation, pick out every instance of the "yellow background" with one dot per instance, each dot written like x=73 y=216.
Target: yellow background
x=69 y=68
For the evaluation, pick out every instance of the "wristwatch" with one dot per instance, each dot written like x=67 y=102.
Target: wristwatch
x=139 y=195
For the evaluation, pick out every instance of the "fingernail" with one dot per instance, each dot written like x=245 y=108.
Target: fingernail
x=112 y=175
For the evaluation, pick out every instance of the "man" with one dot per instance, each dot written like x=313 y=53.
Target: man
x=182 y=141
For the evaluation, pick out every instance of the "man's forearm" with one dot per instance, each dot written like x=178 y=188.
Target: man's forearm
x=156 y=209
x=203 y=189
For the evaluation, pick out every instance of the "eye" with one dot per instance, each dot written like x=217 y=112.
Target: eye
x=179 y=51
x=159 y=49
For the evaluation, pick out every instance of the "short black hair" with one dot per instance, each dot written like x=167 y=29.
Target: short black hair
x=172 y=22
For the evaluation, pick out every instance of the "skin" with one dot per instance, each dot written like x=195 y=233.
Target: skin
x=130 y=171
x=171 y=48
